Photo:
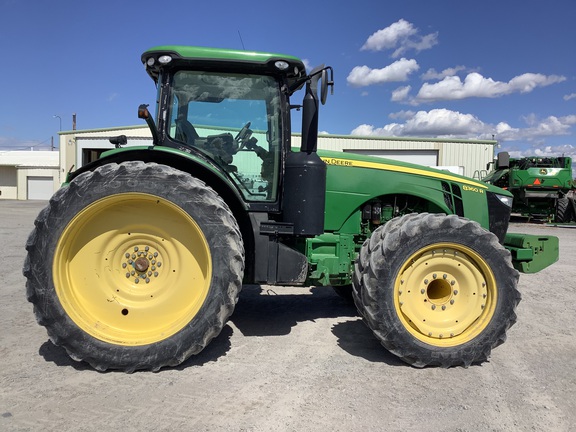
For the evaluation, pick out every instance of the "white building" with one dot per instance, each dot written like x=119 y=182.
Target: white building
x=466 y=157
x=36 y=175
x=29 y=174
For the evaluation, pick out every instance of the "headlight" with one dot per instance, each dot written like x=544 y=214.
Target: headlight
x=505 y=200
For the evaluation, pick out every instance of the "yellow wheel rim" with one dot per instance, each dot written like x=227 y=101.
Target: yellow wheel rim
x=445 y=294
x=132 y=269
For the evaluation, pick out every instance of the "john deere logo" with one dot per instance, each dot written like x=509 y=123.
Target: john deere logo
x=543 y=171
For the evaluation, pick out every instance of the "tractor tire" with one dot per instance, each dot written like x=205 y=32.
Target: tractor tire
x=563 y=210
x=134 y=266
x=436 y=290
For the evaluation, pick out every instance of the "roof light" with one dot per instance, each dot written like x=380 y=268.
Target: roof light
x=281 y=65
x=150 y=61
x=165 y=59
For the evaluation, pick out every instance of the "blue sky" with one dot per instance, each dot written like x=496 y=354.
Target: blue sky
x=423 y=68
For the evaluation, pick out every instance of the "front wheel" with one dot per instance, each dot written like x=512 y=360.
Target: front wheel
x=134 y=266
x=436 y=290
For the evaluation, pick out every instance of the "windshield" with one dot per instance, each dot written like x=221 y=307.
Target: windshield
x=235 y=120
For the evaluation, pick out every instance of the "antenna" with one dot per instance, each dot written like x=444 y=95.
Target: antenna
x=241 y=41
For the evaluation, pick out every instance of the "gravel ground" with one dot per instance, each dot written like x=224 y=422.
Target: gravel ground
x=294 y=359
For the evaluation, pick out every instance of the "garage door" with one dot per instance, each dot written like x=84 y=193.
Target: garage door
x=40 y=188
x=420 y=157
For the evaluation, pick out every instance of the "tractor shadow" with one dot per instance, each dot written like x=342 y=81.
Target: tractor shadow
x=264 y=311
x=268 y=311
x=274 y=311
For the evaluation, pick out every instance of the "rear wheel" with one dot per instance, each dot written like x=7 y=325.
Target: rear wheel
x=563 y=210
x=134 y=266
x=436 y=290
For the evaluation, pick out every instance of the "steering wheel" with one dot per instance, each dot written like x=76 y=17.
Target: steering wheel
x=244 y=132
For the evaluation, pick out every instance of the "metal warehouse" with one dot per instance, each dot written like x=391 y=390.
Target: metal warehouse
x=36 y=175
x=465 y=157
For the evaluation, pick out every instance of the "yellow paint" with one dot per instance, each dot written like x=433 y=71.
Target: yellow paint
x=96 y=256
x=445 y=294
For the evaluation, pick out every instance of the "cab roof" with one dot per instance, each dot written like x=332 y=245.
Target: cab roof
x=221 y=59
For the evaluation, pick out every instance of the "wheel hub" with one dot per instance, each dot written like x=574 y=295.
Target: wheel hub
x=442 y=293
x=142 y=263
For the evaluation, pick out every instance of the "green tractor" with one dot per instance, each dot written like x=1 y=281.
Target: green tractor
x=138 y=260
x=542 y=186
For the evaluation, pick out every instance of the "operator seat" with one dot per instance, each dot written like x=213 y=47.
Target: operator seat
x=185 y=131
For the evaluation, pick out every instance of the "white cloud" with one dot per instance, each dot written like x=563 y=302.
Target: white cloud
x=402 y=115
x=431 y=74
x=447 y=123
x=400 y=36
x=362 y=76
x=437 y=122
x=390 y=37
x=539 y=150
x=475 y=85
x=569 y=96
x=400 y=94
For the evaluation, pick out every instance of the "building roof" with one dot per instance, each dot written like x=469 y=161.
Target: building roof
x=30 y=158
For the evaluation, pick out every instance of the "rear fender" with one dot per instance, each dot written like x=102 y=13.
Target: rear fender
x=187 y=162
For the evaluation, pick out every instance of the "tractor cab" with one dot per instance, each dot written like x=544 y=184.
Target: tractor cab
x=232 y=108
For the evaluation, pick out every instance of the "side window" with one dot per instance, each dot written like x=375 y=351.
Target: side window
x=234 y=120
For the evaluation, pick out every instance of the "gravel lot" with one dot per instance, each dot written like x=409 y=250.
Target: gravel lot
x=294 y=359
